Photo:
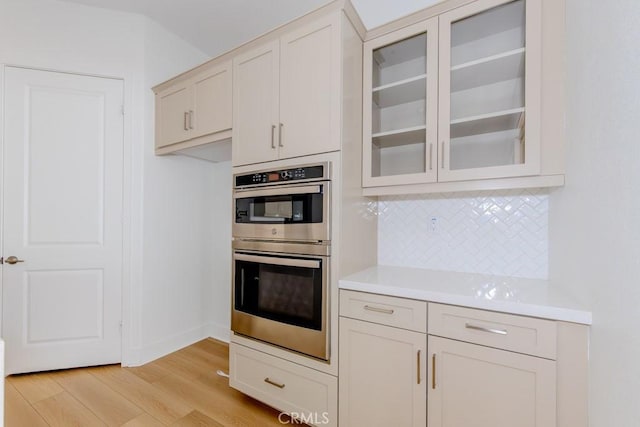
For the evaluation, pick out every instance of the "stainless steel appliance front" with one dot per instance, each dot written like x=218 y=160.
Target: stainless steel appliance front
x=288 y=205
x=280 y=295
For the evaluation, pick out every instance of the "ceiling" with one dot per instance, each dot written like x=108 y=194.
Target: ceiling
x=213 y=26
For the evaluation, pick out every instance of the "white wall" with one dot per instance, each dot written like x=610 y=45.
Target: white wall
x=177 y=231
x=220 y=310
x=163 y=291
x=595 y=219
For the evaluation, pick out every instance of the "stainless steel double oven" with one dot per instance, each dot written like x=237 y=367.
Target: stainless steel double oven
x=281 y=257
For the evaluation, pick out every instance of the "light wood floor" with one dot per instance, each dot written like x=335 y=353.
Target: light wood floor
x=181 y=389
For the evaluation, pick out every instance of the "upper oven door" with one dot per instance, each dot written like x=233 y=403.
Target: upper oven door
x=283 y=212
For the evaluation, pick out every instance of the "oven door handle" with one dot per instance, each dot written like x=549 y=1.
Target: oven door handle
x=290 y=262
x=282 y=191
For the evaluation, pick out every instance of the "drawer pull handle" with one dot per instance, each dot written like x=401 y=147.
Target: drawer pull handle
x=273 y=383
x=378 y=309
x=490 y=330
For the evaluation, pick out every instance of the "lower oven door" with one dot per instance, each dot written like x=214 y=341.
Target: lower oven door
x=282 y=299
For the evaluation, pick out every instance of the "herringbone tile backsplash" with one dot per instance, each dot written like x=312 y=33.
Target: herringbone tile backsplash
x=503 y=232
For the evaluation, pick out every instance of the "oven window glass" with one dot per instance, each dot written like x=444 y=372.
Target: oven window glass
x=293 y=209
x=282 y=293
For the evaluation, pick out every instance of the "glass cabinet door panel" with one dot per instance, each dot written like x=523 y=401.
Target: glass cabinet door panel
x=486 y=67
x=402 y=98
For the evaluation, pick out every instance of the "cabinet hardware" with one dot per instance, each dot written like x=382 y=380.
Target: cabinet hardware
x=418 y=362
x=190 y=119
x=433 y=371
x=185 y=120
x=280 y=144
x=273 y=140
x=13 y=260
x=378 y=310
x=490 y=330
x=442 y=165
x=430 y=156
x=273 y=383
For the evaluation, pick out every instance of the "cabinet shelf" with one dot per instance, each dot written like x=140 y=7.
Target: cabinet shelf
x=492 y=69
x=394 y=138
x=487 y=123
x=400 y=92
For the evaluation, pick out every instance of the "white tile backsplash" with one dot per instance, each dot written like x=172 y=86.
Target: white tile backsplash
x=502 y=232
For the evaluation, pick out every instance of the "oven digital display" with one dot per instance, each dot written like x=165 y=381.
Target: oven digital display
x=273 y=176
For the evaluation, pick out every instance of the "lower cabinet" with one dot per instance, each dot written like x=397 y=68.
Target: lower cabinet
x=382 y=367
x=473 y=385
x=490 y=369
x=308 y=395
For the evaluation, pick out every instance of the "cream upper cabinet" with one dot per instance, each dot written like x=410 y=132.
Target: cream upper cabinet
x=490 y=90
x=455 y=100
x=195 y=108
x=287 y=95
x=212 y=101
x=401 y=106
x=172 y=111
x=382 y=369
x=256 y=105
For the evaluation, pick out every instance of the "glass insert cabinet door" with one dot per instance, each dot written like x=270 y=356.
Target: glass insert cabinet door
x=489 y=68
x=400 y=116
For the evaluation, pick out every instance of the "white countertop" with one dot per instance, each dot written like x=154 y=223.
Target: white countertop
x=529 y=297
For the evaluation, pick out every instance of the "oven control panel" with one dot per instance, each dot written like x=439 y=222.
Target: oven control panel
x=283 y=175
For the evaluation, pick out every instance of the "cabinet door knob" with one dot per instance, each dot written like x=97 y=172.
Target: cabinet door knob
x=184 y=123
x=280 y=144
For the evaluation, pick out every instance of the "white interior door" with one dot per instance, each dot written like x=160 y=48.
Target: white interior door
x=62 y=206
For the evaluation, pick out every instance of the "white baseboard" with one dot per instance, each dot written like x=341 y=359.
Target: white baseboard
x=146 y=354
x=219 y=332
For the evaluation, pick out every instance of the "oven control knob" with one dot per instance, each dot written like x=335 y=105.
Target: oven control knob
x=274 y=231
x=285 y=175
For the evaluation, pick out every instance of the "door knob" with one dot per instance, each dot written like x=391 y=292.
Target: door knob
x=13 y=260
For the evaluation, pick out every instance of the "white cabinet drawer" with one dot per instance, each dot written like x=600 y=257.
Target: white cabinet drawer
x=291 y=388
x=504 y=331
x=391 y=311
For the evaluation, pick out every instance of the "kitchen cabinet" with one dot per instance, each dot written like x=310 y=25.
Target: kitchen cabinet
x=490 y=369
x=382 y=369
x=454 y=101
x=401 y=106
x=305 y=394
x=287 y=95
x=195 y=110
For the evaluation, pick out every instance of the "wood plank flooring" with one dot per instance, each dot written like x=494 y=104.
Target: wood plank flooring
x=181 y=389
